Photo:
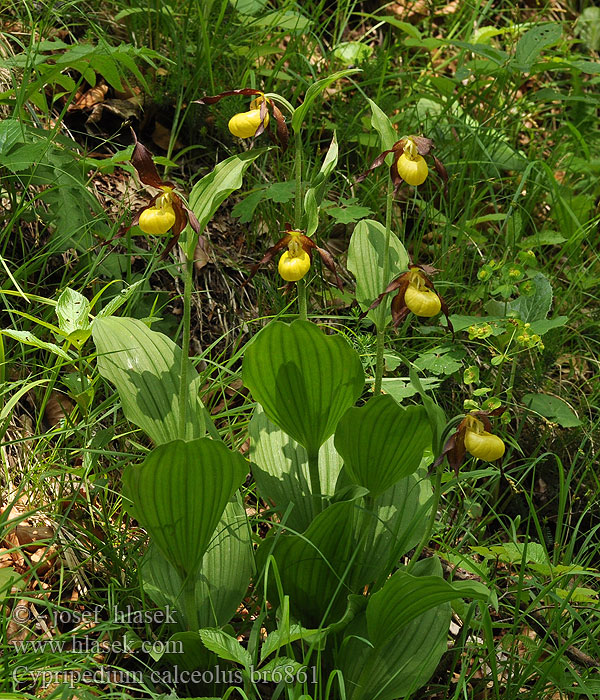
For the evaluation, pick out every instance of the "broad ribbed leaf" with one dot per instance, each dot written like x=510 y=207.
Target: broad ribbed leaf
x=394 y=526
x=305 y=380
x=280 y=468
x=384 y=127
x=313 y=92
x=29 y=339
x=531 y=44
x=144 y=366
x=212 y=190
x=186 y=651
x=311 y=566
x=381 y=442
x=365 y=261
x=404 y=597
x=179 y=493
x=220 y=583
x=406 y=661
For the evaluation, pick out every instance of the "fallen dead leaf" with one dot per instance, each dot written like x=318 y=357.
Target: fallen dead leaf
x=161 y=136
x=58 y=408
x=89 y=98
x=201 y=254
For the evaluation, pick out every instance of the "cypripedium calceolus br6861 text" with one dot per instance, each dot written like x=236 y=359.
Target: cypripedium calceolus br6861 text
x=252 y=123
x=296 y=260
x=474 y=436
x=166 y=211
x=409 y=164
x=416 y=293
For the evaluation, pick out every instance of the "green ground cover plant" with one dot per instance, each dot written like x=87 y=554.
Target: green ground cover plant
x=298 y=358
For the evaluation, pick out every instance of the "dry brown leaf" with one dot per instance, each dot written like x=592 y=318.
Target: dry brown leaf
x=58 y=408
x=17 y=629
x=29 y=536
x=449 y=9
x=43 y=559
x=201 y=254
x=90 y=97
x=409 y=9
x=161 y=136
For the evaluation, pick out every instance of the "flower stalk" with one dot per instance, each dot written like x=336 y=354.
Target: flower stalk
x=300 y=284
x=188 y=276
x=386 y=271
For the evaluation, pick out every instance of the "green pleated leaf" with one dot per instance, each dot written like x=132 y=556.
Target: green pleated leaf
x=381 y=442
x=186 y=651
x=144 y=366
x=365 y=261
x=212 y=190
x=384 y=127
x=305 y=380
x=395 y=525
x=220 y=583
x=280 y=468
x=179 y=494
x=404 y=597
x=405 y=661
x=313 y=92
x=532 y=43
x=311 y=565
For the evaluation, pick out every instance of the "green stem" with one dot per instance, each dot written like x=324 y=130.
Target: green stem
x=298 y=208
x=185 y=347
x=437 y=494
x=315 y=480
x=386 y=271
x=511 y=382
x=302 y=310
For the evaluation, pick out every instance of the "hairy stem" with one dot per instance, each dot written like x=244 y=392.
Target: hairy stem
x=383 y=306
x=301 y=284
x=185 y=346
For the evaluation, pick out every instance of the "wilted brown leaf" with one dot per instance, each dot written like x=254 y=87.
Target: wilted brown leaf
x=201 y=254
x=161 y=136
x=58 y=408
x=89 y=98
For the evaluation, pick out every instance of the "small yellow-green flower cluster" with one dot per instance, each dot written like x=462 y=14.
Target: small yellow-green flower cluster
x=480 y=331
x=528 y=339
